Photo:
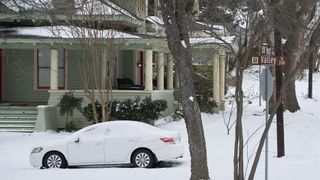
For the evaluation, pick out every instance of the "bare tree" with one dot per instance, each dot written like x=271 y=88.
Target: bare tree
x=96 y=37
x=177 y=15
x=294 y=26
x=86 y=24
x=252 y=33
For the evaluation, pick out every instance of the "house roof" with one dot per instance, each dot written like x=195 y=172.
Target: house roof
x=156 y=20
x=76 y=38
x=104 y=13
x=67 y=32
x=81 y=7
x=211 y=40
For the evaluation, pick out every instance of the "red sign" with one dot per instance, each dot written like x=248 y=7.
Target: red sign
x=267 y=60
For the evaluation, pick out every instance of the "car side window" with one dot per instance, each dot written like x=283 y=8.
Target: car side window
x=94 y=133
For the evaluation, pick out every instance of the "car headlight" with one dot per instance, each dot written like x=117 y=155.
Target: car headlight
x=36 y=150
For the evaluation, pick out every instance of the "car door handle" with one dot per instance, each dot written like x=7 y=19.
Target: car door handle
x=131 y=139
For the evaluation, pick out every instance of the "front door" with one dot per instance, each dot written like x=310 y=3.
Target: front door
x=0 y=74
x=117 y=149
x=89 y=149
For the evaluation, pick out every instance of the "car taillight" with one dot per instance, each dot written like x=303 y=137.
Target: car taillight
x=168 y=140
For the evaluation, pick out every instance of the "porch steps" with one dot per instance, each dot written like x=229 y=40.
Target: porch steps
x=18 y=118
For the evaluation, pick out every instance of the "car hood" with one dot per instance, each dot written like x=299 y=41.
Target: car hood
x=55 y=143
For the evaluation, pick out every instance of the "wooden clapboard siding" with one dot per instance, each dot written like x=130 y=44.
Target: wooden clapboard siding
x=125 y=64
x=76 y=68
x=18 y=77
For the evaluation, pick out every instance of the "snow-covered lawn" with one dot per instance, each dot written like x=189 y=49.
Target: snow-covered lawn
x=302 y=160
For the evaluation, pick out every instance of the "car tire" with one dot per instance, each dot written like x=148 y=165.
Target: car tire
x=54 y=160
x=143 y=158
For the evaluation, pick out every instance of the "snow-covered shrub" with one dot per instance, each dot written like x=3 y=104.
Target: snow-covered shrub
x=178 y=113
x=143 y=110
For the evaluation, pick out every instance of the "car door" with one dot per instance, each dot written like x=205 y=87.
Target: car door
x=89 y=149
x=118 y=146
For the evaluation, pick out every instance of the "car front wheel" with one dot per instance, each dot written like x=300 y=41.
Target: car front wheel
x=55 y=160
x=143 y=158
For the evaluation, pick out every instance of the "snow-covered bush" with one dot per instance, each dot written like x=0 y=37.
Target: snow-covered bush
x=143 y=110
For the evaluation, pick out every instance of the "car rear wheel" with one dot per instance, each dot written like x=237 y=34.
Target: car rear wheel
x=55 y=160
x=143 y=158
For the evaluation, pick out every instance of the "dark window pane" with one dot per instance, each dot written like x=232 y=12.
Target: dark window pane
x=45 y=61
x=44 y=58
x=44 y=77
x=61 y=77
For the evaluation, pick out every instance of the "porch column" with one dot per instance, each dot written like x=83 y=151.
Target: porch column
x=160 y=68
x=148 y=71
x=222 y=78
x=54 y=69
x=215 y=83
x=170 y=73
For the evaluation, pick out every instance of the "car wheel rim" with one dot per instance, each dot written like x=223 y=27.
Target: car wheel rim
x=54 y=161
x=142 y=160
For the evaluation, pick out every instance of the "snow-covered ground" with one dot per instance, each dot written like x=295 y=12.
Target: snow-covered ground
x=302 y=160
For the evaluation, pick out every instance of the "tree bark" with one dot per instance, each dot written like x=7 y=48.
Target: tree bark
x=176 y=15
x=290 y=101
x=238 y=146
x=296 y=46
x=279 y=79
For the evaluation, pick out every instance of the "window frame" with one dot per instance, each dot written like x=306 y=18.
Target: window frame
x=38 y=87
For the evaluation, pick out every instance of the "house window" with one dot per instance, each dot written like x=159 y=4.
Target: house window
x=43 y=68
x=142 y=5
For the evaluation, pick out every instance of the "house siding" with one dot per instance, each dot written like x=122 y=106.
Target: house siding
x=18 y=77
x=123 y=69
x=125 y=64
x=74 y=73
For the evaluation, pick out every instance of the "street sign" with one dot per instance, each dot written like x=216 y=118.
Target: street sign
x=280 y=61
x=268 y=60
x=266 y=84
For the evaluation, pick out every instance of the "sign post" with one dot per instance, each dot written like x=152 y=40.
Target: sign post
x=266 y=84
x=266 y=92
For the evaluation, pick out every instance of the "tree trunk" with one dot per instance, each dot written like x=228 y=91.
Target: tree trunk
x=296 y=46
x=310 y=75
x=238 y=146
x=176 y=17
x=290 y=101
x=294 y=53
x=279 y=79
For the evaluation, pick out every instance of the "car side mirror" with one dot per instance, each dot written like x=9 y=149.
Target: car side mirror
x=76 y=139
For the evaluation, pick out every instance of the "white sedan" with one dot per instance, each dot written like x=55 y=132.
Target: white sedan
x=115 y=142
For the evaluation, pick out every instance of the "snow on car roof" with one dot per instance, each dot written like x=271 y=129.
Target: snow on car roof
x=127 y=128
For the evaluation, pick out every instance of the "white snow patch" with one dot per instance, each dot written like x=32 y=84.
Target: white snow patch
x=302 y=159
x=155 y=19
x=69 y=32
x=260 y=12
x=183 y=44
x=217 y=27
x=212 y=40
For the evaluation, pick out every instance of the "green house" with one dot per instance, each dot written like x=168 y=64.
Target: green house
x=47 y=50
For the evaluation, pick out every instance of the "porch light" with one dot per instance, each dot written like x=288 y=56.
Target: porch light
x=139 y=65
